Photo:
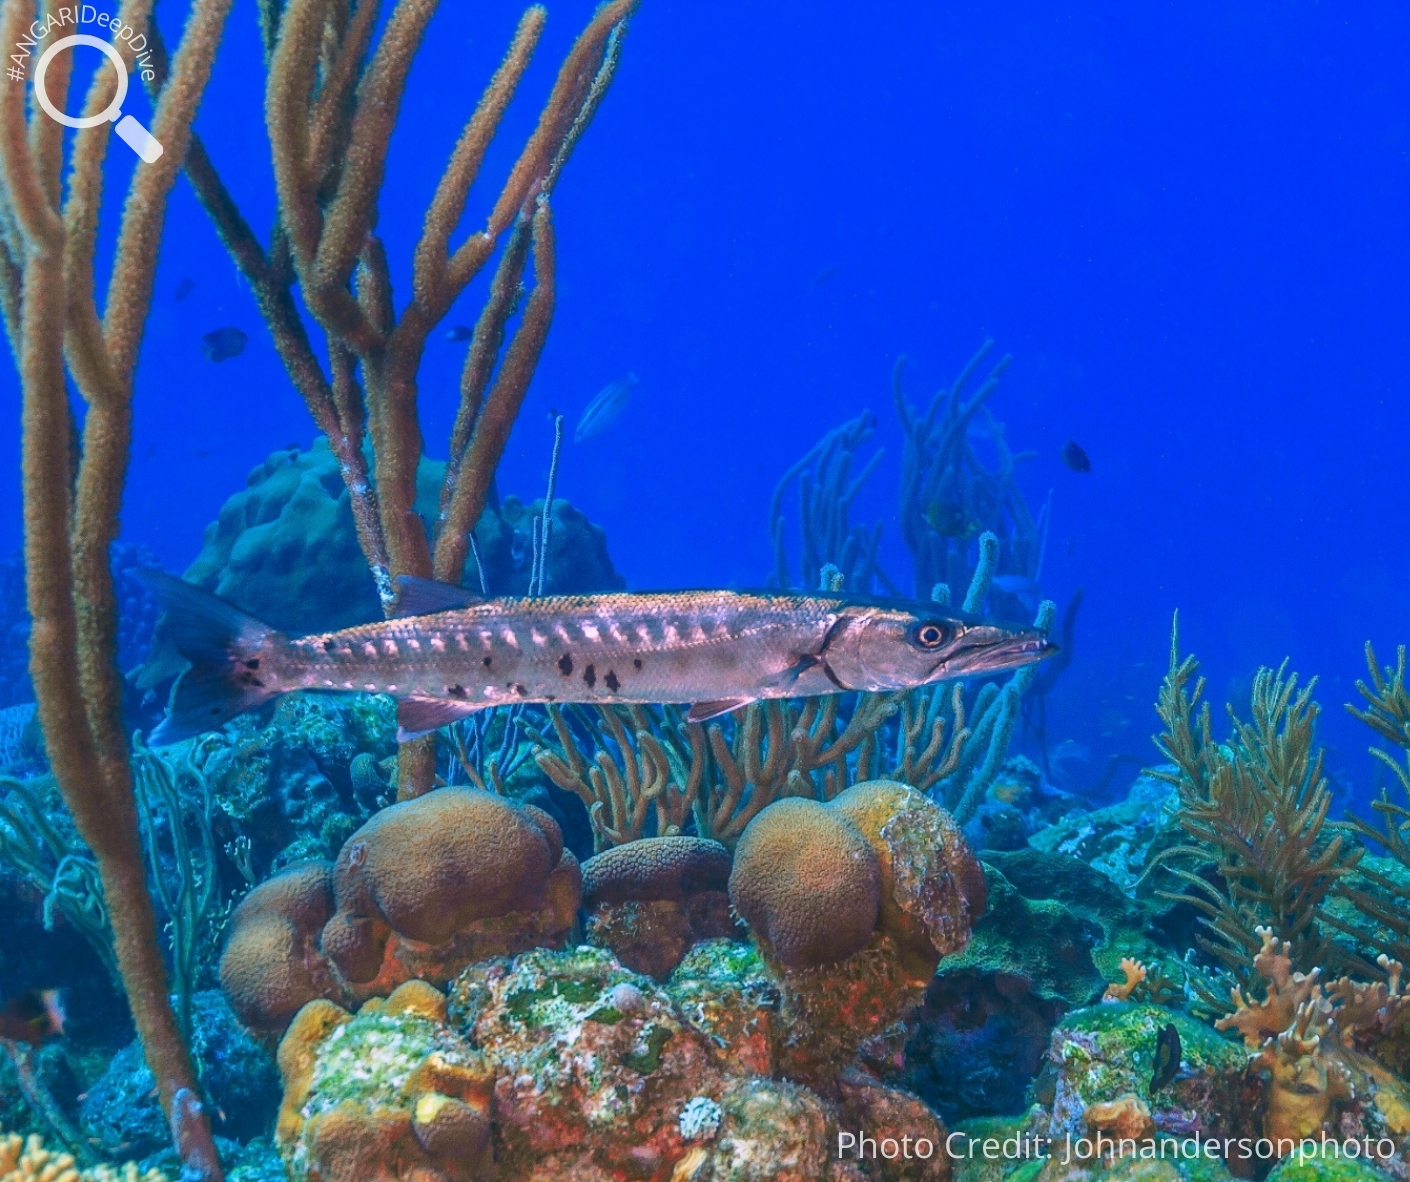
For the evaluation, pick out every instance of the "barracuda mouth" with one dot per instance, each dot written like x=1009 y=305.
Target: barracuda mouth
x=990 y=649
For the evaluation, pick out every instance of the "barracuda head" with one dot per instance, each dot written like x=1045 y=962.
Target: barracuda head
x=889 y=648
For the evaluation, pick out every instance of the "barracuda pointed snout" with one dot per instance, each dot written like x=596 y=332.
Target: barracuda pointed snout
x=993 y=648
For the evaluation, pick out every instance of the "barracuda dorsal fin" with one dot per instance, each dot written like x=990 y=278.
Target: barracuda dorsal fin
x=421 y=716
x=704 y=711
x=426 y=597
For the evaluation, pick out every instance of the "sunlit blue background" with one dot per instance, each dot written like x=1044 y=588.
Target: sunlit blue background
x=1187 y=223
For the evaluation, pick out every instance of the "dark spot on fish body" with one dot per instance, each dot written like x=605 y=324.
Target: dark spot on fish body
x=521 y=690
x=487 y=662
x=252 y=663
x=611 y=682
x=329 y=646
x=565 y=664
x=590 y=676
x=636 y=662
x=456 y=691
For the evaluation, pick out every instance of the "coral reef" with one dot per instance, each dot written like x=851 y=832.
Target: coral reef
x=285 y=548
x=1318 y=1049
x=853 y=962
x=940 y=467
x=652 y=900
x=826 y=490
x=423 y=889
x=1102 y=1053
x=27 y=1160
x=285 y=784
x=570 y=1067
x=1054 y=933
x=1258 y=805
x=119 y=1112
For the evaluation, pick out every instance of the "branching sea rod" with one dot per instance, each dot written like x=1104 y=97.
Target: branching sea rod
x=48 y=275
x=331 y=106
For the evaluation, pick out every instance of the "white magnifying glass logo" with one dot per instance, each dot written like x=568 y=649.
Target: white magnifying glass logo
x=132 y=133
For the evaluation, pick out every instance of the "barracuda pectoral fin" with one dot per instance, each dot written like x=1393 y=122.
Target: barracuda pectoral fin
x=421 y=716
x=426 y=597
x=704 y=711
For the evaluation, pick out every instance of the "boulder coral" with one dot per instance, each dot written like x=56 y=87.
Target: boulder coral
x=852 y=904
x=285 y=549
x=807 y=884
x=420 y=891
x=560 y=1067
x=271 y=965
x=387 y=1094
x=650 y=901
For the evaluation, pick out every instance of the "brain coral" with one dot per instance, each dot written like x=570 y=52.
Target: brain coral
x=420 y=891
x=651 y=900
x=284 y=548
x=656 y=868
x=271 y=965
x=428 y=867
x=852 y=904
x=807 y=883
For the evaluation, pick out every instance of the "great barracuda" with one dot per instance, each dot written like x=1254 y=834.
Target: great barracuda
x=449 y=653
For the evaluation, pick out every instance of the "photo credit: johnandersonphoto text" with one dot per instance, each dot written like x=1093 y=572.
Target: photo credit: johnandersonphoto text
x=960 y=1146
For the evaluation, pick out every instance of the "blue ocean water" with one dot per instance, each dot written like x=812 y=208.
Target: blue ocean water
x=1187 y=224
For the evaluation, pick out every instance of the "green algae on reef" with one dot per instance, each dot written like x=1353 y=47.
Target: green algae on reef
x=373 y=1055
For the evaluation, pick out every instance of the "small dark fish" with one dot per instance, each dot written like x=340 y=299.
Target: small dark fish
x=183 y=289
x=606 y=408
x=33 y=1017
x=828 y=272
x=1021 y=587
x=1074 y=457
x=459 y=332
x=224 y=343
x=949 y=519
x=1167 y=1057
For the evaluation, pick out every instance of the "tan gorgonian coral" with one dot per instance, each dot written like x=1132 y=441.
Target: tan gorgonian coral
x=331 y=107
x=1256 y=806
x=1377 y=896
x=72 y=495
x=647 y=771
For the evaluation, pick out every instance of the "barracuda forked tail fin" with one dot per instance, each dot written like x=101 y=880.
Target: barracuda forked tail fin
x=226 y=648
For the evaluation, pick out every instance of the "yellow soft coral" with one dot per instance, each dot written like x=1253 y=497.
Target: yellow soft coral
x=28 y=1161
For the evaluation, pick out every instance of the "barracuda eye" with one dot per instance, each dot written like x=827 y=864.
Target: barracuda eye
x=931 y=634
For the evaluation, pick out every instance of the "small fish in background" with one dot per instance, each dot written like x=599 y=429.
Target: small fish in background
x=224 y=343
x=949 y=519
x=1067 y=754
x=828 y=272
x=33 y=1017
x=605 y=409
x=459 y=332
x=1167 y=1057
x=183 y=289
x=1074 y=457
x=1022 y=587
